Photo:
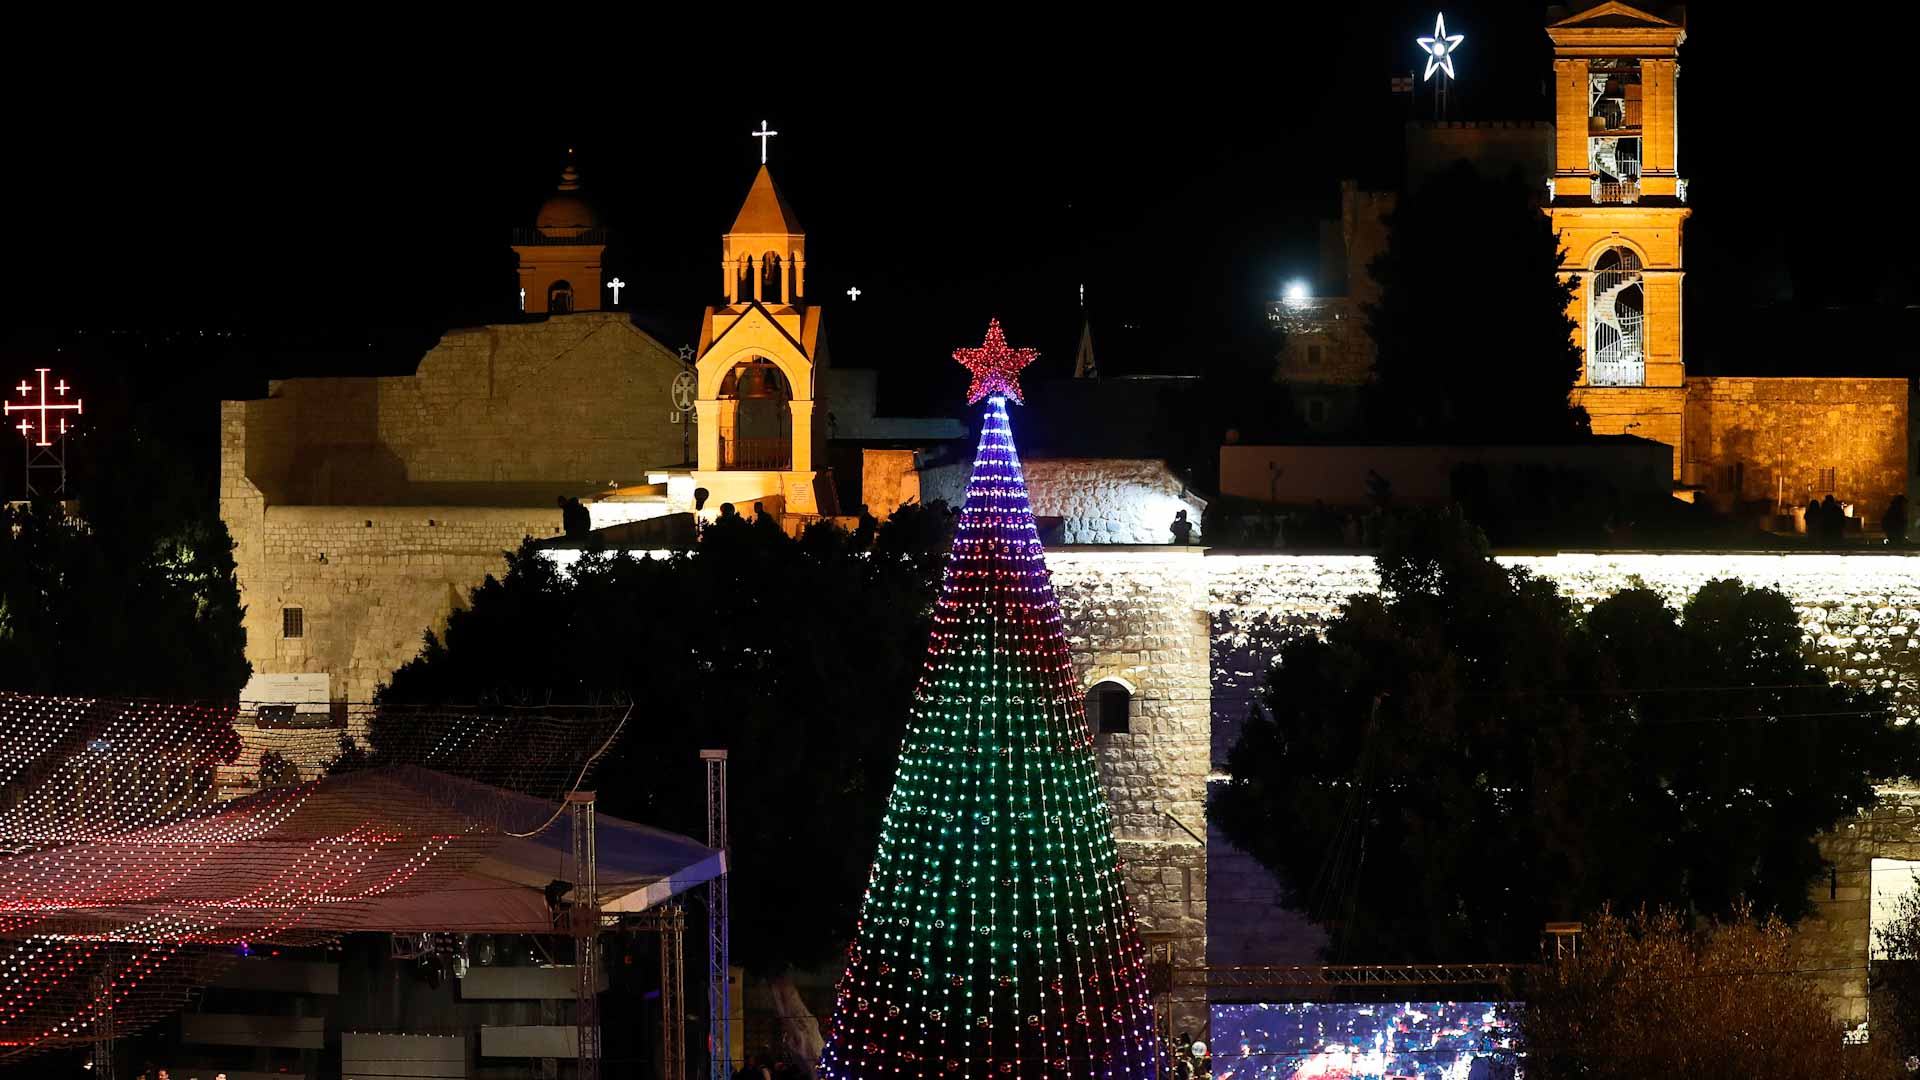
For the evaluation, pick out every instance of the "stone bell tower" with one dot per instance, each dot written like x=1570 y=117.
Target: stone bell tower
x=1618 y=205
x=760 y=355
x=560 y=255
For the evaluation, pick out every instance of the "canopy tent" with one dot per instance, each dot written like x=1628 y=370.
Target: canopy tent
x=396 y=849
x=638 y=867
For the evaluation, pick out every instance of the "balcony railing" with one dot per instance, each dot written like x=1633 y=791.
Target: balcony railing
x=536 y=238
x=756 y=454
x=1616 y=192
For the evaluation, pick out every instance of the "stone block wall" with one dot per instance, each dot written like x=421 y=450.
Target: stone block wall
x=490 y=405
x=1099 y=500
x=1141 y=617
x=1789 y=440
x=370 y=582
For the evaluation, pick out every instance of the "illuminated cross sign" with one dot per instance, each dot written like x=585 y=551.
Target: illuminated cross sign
x=616 y=285
x=763 y=135
x=853 y=293
x=51 y=424
x=1440 y=48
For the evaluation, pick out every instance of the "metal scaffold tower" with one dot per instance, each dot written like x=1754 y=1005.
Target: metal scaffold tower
x=585 y=924
x=719 y=963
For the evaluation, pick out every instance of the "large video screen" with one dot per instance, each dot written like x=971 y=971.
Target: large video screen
x=1410 y=1040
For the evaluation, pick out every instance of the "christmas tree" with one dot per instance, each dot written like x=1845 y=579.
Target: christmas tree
x=995 y=940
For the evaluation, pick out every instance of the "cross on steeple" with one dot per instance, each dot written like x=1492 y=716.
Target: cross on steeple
x=763 y=135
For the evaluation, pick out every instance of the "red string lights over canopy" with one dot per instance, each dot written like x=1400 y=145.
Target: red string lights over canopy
x=144 y=846
x=995 y=941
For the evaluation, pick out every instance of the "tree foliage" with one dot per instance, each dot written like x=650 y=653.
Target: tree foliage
x=1466 y=756
x=1471 y=329
x=1646 y=995
x=134 y=595
x=796 y=656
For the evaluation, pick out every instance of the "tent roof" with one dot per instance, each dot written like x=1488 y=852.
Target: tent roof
x=390 y=849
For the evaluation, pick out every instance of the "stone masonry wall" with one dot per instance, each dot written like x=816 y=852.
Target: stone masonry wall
x=369 y=580
x=1768 y=440
x=1141 y=617
x=1099 y=500
x=488 y=406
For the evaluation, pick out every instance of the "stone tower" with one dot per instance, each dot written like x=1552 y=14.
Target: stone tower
x=1618 y=205
x=560 y=255
x=760 y=354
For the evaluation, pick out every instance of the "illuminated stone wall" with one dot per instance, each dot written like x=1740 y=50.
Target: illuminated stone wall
x=1141 y=617
x=1758 y=440
x=493 y=415
x=1099 y=500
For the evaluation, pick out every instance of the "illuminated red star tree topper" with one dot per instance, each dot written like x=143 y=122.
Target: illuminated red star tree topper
x=995 y=940
x=995 y=367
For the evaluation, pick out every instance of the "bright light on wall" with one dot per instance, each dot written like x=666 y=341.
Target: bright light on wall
x=1296 y=292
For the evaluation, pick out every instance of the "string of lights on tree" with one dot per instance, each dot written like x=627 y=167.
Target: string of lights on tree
x=995 y=939
x=145 y=846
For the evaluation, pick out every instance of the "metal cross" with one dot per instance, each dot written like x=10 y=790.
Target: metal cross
x=616 y=285
x=853 y=293
x=763 y=135
x=44 y=407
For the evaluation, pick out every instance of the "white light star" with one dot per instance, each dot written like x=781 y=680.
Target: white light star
x=1440 y=48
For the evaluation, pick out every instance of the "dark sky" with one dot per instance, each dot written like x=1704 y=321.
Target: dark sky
x=954 y=163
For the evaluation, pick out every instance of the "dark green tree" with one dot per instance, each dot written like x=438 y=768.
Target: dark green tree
x=1466 y=756
x=797 y=656
x=132 y=595
x=1471 y=329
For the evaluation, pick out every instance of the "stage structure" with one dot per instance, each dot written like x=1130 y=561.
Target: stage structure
x=995 y=941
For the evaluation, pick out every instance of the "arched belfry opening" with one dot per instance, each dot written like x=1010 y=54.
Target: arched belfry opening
x=1616 y=320
x=756 y=417
x=773 y=286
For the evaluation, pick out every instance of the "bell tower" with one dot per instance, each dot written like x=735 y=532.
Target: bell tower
x=1618 y=204
x=560 y=255
x=759 y=359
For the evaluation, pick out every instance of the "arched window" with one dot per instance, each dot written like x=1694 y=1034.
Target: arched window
x=1110 y=707
x=1616 y=320
x=560 y=298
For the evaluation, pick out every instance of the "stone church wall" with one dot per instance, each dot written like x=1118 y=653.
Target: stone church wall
x=1099 y=500
x=1141 y=617
x=494 y=415
x=1788 y=440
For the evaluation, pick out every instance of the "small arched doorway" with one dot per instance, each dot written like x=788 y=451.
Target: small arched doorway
x=560 y=298
x=756 y=417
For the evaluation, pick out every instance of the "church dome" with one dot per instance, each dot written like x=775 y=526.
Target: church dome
x=566 y=213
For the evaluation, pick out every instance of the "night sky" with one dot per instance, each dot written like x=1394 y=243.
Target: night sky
x=339 y=189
